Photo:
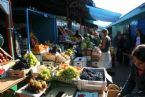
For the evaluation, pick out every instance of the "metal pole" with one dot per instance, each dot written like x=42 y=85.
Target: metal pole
x=28 y=30
x=11 y=31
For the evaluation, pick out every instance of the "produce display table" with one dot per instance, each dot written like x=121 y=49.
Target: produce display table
x=8 y=82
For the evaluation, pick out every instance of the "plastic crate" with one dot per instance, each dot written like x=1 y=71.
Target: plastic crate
x=48 y=63
x=39 y=57
x=93 y=85
x=24 y=93
x=67 y=81
x=62 y=91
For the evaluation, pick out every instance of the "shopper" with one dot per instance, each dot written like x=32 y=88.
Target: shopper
x=137 y=75
x=105 y=60
x=139 y=39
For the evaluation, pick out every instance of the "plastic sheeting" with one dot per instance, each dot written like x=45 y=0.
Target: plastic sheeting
x=4 y=5
x=102 y=14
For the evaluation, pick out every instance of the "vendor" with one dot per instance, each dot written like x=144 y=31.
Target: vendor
x=1 y=40
x=78 y=36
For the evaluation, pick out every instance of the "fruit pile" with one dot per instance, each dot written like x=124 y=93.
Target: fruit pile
x=91 y=74
x=36 y=86
x=68 y=73
x=21 y=65
x=31 y=58
x=45 y=74
x=4 y=57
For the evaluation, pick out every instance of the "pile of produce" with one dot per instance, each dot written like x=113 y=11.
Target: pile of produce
x=69 y=52
x=49 y=56
x=31 y=58
x=86 y=43
x=21 y=65
x=40 y=48
x=68 y=73
x=36 y=86
x=92 y=74
x=45 y=74
x=4 y=57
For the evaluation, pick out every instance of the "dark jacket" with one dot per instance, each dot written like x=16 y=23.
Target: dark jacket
x=134 y=81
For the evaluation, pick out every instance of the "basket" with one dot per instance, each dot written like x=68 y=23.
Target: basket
x=112 y=93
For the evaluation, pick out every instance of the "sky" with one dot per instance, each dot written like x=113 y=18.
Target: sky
x=119 y=6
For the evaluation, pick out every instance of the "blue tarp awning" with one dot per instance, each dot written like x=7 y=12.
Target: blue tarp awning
x=102 y=14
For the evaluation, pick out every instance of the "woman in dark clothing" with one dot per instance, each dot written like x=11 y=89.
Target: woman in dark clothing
x=137 y=76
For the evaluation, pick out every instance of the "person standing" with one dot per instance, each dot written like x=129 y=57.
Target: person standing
x=136 y=77
x=139 y=39
x=105 y=60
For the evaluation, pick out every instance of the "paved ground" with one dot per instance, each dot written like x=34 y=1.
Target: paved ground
x=120 y=74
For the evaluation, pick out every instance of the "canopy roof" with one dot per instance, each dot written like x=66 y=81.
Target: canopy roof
x=102 y=14
x=80 y=10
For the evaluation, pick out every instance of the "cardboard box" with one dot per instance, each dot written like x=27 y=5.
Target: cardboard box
x=80 y=61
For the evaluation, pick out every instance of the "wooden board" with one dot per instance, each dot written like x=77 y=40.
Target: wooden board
x=8 y=82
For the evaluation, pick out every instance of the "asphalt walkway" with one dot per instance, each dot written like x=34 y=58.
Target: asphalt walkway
x=120 y=74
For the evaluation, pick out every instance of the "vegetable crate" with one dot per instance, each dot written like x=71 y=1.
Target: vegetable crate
x=80 y=61
x=48 y=63
x=62 y=91
x=18 y=73
x=22 y=92
x=86 y=52
x=65 y=80
x=99 y=83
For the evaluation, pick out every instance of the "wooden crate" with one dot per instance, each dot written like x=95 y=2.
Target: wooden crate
x=18 y=73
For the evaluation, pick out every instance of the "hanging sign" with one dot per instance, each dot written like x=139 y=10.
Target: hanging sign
x=4 y=5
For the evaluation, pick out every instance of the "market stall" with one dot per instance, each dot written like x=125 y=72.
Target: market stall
x=44 y=28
